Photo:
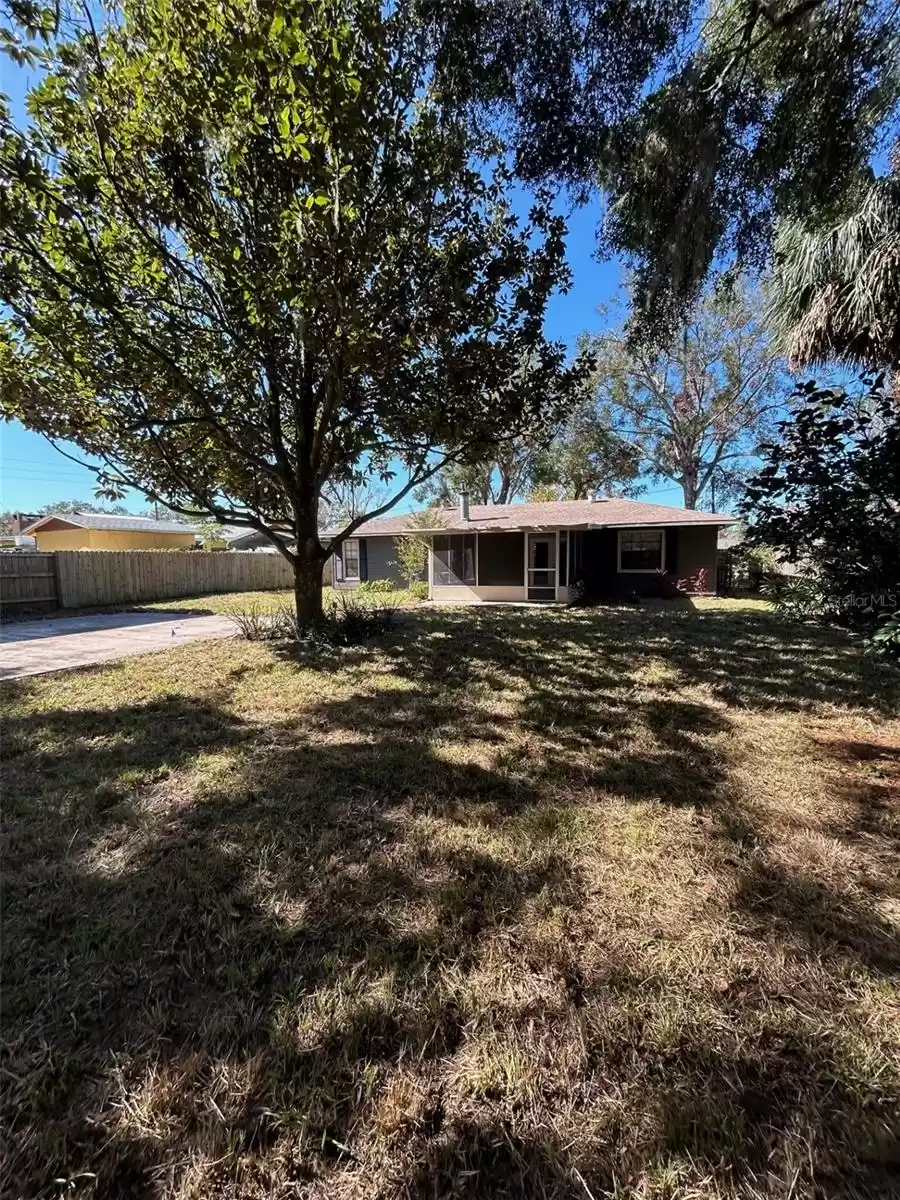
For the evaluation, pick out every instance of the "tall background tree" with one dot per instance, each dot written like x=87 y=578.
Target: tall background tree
x=501 y=477
x=697 y=409
x=579 y=457
x=586 y=457
x=251 y=249
x=85 y=506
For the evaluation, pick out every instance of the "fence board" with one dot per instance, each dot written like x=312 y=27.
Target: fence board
x=95 y=577
x=28 y=580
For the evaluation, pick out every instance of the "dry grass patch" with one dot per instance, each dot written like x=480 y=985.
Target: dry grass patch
x=521 y=903
x=227 y=603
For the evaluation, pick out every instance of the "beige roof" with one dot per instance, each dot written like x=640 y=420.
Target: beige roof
x=79 y=520
x=551 y=514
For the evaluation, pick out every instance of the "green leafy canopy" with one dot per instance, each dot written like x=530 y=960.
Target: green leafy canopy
x=248 y=250
x=702 y=124
x=827 y=495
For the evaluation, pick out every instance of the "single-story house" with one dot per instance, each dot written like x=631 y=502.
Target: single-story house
x=514 y=552
x=101 y=531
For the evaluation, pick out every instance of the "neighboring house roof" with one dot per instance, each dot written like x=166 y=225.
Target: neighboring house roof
x=252 y=539
x=551 y=514
x=21 y=521
x=107 y=521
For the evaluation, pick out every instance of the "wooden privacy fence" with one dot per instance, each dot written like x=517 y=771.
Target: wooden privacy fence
x=86 y=578
x=28 y=581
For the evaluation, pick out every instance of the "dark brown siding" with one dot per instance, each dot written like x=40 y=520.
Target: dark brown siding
x=597 y=558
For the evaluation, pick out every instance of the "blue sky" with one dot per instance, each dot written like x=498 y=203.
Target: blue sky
x=33 y=473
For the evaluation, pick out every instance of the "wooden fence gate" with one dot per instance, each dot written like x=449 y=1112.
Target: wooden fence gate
x=28 y=581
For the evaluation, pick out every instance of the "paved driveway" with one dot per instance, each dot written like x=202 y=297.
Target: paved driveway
x=33 y=647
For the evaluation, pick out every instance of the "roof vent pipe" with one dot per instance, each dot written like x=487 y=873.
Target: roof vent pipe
x=464 y=506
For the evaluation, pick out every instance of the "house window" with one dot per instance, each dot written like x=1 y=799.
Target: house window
x=453 y=560
x=641 y=551
x=563 y=559
x=351 y=558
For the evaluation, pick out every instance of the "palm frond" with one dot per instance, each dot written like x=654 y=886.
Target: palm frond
x=836 y=292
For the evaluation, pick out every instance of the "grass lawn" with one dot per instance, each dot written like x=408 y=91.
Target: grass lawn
x=520 y=903
x=230 y=602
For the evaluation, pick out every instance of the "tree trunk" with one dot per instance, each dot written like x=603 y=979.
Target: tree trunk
x=689 y=488
x=308 y=588
x=503 y=492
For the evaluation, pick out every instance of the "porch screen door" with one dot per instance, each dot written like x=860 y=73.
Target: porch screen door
x=541 y=566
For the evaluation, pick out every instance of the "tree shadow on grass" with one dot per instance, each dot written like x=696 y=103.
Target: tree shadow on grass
x=473 y=1160
x=747 y=659
x=736 y=1107
x=150 y=930
x=233 y=975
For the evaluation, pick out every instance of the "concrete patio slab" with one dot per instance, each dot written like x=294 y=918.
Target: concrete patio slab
x=59 y=644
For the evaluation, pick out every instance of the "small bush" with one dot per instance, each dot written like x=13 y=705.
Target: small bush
x=375 y=587
x=801 y=597
x=689 y=585
x=579 y=596
x=350 y=623
x=886 y=639
x=346 y=621
x=755 y=565
x=419 y=589
x=254 y=625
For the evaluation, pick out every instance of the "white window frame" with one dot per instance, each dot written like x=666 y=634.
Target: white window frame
x=348 y=578
x=641 y=570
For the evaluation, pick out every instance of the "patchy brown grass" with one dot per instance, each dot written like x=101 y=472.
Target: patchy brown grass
x=233 y=602
x=522 y=903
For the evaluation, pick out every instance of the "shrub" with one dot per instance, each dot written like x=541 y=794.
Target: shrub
x=346 y=621
x=412 y=559
x=886 y=639
x=419 y=589
x=828 y=492
x=801 y=597
x=266 y=625
x=671 y=588
x=254 y=625
x=579 y=597
x=759 y=562
x=350 y=623
x=375 y=587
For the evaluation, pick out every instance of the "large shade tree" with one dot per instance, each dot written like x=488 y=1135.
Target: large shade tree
x=248 y=250
x=703 y=124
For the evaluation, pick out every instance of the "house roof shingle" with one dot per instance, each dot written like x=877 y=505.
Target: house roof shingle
x=108 y=521
x=551 y=514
